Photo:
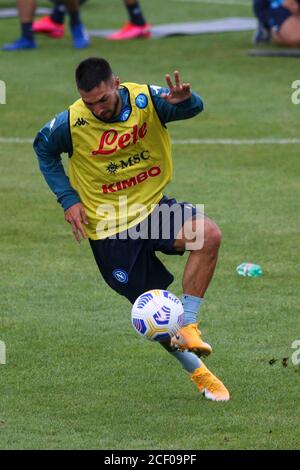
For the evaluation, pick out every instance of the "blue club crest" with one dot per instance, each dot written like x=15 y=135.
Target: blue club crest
x=141 y=101
x=125 y=115
x=120 y=275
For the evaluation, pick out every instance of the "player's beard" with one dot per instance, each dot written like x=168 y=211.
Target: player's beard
x=112 y=114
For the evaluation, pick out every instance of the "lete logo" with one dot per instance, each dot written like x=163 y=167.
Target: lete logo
x=110 y=140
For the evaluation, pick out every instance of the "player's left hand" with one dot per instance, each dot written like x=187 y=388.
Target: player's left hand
x=178 y=92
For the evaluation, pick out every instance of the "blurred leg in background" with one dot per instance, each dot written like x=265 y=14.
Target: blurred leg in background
x=277 y=21
x=53 y=25
x=137 y=27
x=26 y=9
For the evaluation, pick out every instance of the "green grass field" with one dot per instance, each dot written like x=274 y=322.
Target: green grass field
x=77 y=375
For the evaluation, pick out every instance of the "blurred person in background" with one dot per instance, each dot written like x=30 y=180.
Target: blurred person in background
x=27 y=10
x=278 y=20
x=136 y=27
x=53 y=24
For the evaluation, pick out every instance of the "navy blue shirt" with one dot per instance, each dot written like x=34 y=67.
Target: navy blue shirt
x=55 y=138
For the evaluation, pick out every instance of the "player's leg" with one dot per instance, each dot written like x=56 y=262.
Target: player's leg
x=202 y=237
x=79 y=34
x=130 y=269
x=289 y=32
x=261 y=11
x=206 y=382
x=279 y=22
x=52 y=25
x=137 y=27
x=26 y=9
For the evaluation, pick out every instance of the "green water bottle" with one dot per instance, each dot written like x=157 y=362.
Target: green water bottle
x=249 y=269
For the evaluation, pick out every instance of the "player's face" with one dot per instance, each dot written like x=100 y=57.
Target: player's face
x=104 y=100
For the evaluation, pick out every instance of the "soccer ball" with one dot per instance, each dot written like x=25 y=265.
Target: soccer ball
x=157 y=315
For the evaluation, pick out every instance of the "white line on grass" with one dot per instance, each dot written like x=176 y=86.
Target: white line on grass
x=267 y=141
x=15 y=140
x=217 y=2
x=262 y=141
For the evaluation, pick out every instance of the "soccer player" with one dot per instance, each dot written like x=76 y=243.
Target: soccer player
x=137 y=27
x=278 y=20
x=119 y=165
x=26 y=13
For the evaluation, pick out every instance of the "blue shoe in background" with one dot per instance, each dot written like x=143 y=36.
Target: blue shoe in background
x=80 y=37
x=262 y=34
x=20 y=44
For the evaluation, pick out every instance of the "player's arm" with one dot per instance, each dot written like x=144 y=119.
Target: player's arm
x=176 y=102
x=51 y=141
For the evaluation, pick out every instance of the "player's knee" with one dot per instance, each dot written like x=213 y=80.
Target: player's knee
x=294 y=42
x=288 y=37
x=213 y=235
x=287 y=41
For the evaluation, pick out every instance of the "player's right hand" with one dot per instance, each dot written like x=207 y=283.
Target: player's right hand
x=76 y=216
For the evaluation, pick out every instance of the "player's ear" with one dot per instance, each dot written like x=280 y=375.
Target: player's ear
x=116 y=81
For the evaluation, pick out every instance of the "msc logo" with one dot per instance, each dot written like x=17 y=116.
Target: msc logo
x=80 y=122
x=112 y=168
x=120 y=275
x=125 y=184
x=111 y=141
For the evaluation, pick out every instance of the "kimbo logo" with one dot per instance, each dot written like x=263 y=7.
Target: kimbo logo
x=2 y=353
x=2 y=92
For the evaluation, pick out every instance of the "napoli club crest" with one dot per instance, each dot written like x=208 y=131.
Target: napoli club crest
x=141 y=101
x=120 y=275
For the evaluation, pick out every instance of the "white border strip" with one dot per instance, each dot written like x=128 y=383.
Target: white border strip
x=266 y=141
x=262 y=141
x=218 y=2
x=15 y=140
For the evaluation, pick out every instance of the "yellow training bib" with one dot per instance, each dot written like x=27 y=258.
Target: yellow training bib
x=119 y=169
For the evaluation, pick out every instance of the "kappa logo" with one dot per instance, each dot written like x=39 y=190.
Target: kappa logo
x=112 y=168
x=81 y=122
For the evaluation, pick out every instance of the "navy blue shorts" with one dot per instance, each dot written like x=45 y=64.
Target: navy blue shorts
x=272 y=18
x=131 y=267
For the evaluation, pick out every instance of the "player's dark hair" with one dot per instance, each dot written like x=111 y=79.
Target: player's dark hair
x=91 y=72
